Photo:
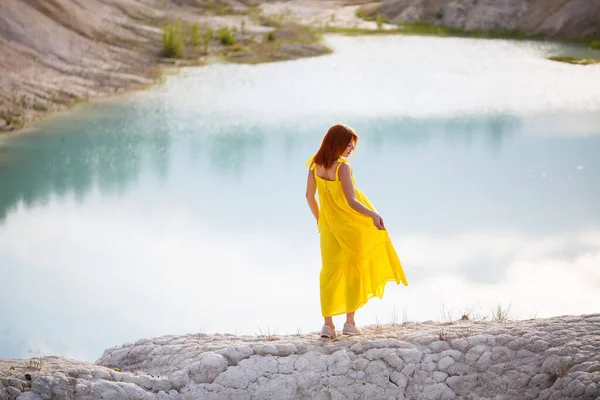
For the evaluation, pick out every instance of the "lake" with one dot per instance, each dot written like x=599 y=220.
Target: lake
x=181 y=209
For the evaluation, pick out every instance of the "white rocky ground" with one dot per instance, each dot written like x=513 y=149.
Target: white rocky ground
x=556 y=358
x=318 y=13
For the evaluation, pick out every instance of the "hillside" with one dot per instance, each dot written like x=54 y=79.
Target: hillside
x=55 y=53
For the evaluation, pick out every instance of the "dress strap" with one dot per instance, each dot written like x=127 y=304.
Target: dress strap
x=337 y=170
x=313 y=165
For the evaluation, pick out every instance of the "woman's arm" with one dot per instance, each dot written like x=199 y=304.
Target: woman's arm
x=348 y=187
x=311 y=190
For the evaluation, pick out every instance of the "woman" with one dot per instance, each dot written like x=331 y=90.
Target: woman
x=356 y=251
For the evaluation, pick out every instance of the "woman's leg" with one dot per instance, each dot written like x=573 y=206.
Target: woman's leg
x=350 y=326
x=329 y=322
x=350 y=318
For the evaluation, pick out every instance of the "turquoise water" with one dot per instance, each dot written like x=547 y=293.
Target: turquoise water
x=182 y=209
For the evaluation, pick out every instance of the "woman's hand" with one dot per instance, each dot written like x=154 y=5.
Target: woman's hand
x=378 y=221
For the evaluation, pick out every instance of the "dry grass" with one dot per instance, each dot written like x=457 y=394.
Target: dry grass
x=267 y=335
x=501 y=314
x=36 y=364
x=498 y=314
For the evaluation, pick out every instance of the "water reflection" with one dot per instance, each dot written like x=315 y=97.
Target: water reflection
x=234 y=151
x=188 y=277
x=163 y=212
x=460 y=130
x=69 y=163
x=75 y=156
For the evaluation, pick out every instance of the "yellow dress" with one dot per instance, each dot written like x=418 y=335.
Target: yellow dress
x=358 y=259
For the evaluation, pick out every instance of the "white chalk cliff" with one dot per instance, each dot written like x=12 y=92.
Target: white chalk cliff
x=555 y=358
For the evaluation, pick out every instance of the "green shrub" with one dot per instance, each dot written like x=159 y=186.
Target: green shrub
x=360 y=13
x=208 y=36
x=426 y=28
x=173 y=41
x=226 y=36
x=379 y=21
x=439 y=14
x=196 y=38
x=270 y=37
x=236 y=48
x=595 y=45
x=576 y=60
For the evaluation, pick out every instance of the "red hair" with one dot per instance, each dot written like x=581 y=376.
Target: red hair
x=334 y=144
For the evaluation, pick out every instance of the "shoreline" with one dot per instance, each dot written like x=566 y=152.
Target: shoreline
x=171 y=71
x=546 y=358
x=333 y=17
x=69 y=74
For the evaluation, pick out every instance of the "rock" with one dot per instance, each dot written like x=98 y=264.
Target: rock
x=238 y=353
x=43 y=386
x=455 y=354
x=445 y=363
x=439 y=376
x=409 y=355
x=460 y=344
x=360 y=364
x=162 y=384
x=131 y=391
x=144 y=381
x=285 y=349
x=458 y=368
x=541 y=380
x=376 y=354
x=206 y=370
x=439 y=346
x=108 y=390
x=477 y=341
x=556 y=365
x=11 y=392
x=462 y=385
x=538 y=346
x=574 y=389
x=102 y=374
x=592 y=391
x=234 y=378
x=529 y=359
x=484 y=362
x=339 y=363
x=180 y=379
x=557 y=18
x=500 y=354
x=438 y=391
x=15 y=383
x=266 y=349
x=399 y=379
x=394 y=361
x=29 y=396
x=378 y=373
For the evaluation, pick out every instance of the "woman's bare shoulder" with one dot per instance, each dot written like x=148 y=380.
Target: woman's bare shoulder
x=345 y=169
x=344 y=165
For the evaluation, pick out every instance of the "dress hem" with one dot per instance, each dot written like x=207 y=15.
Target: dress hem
x=369 y=296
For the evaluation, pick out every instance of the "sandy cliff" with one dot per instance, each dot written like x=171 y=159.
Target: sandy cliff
x=564 y=19
x=54 y=53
